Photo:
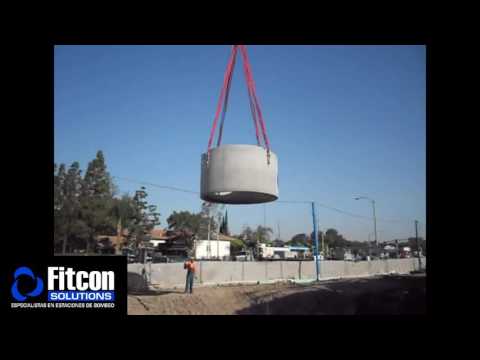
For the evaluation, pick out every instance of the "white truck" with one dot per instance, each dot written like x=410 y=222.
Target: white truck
x=275 y=253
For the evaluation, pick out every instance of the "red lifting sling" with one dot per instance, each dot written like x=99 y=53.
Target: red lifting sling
x=252 y=95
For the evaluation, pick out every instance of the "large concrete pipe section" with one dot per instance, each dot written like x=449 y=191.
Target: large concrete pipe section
x=239 y=174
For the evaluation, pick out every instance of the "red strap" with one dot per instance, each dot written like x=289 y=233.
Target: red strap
x=250 y=97
x=227 y=93
x=252 y=87
x=224 y=95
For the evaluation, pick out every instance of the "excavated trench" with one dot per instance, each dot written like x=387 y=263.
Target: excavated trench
x=397 y=294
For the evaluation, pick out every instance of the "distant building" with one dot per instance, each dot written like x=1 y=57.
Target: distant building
x=278 y=243
x=282 y=252
x=158 y=236
x=176 y=243
x=300 y=252
x=107 y=244
x=212 y=249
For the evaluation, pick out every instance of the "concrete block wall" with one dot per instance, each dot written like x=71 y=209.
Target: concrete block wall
x=330 y=269
x=255 y=271
x=360 y=268
x=218 y=272
x=212 y=272
x=308 y=270
x=290 y=270
x=378 y=267
x=166 y=275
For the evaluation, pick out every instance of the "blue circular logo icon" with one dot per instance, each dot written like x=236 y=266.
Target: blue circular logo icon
x=27 y=272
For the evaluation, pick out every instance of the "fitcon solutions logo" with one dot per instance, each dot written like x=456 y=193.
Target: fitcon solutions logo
x=25 y=271
x=65 y=288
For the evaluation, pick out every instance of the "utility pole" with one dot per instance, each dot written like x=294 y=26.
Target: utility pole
x=218 y=236
x=264 y=215
x=418 y=246
x=315 y=235
x=318 y=225
x=208 y=233
x=375 y=223
x=323 y=246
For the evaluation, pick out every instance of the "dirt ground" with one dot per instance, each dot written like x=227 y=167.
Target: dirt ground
x=392 y=294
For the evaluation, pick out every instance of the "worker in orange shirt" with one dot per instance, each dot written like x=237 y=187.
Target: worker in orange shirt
x=189 y=265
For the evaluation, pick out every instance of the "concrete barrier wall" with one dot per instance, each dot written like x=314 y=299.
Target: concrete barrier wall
x=255 y=271
x=166 y=275
x=378 y=267
x=330 y=269
x=219 y=272
x=212 y=272
x=308 y=270
x=290 y=270
x=357 y=268
x=400 y=266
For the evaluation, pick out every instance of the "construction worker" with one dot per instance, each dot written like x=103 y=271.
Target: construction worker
x=189 y=265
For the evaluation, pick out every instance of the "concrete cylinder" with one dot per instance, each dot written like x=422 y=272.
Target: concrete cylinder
x=239 y=174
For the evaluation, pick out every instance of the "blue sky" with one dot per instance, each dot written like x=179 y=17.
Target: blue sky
x=343 y=121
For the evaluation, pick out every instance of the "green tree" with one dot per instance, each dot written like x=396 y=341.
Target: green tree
x=143 y=220
x=248 y=237
x=262 y=234
x=59 y=231
x=333 y=239
x=122 y=213
x=96 y=200
x=221 y=228
x=67 y=187
x=184 y=220
x=97 y=181
x=236 y=246
x=227 y=229
x=224 y=225
x=299 y=240
x=319 y=234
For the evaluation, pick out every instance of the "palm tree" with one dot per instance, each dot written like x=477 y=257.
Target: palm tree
x=122 y=213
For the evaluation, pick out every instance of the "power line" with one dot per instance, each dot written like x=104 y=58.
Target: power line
x=325 y=206
x=158 y=186
x=278 y=201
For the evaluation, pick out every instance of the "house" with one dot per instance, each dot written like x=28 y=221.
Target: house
x=176 y=243
x=118 y=242
x=158 y=236
x=111 y=243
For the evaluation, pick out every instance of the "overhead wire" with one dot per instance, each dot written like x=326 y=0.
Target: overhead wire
x=278 y=201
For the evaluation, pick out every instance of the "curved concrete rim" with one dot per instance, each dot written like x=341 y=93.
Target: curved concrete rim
x=239 y=197
x=239 y=174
